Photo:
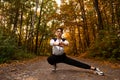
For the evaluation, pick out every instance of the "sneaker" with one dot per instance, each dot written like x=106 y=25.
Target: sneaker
x=54 y=67
x=97 y=71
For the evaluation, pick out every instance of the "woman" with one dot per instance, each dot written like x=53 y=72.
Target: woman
x=58 y=55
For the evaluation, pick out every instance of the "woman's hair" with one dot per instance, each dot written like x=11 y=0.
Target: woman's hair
x=60 y=29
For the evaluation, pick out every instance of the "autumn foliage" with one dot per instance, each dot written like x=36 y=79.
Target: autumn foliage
x=89 y=25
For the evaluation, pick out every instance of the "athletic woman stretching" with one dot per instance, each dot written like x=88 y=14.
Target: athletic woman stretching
x=58 y=55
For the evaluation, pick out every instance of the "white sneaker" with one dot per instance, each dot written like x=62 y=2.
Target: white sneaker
x=54 y=68
x=97 y=71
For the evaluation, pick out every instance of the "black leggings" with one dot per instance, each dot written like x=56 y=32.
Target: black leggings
x=54 y=59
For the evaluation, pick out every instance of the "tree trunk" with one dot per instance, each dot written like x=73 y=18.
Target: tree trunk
x=100 y=23
x=117 y=13
x=37 y=27
x=74 y=41
x=112 y=13
x=20 y=35
x=85 y=28
x=80 y=41
x=16 y=16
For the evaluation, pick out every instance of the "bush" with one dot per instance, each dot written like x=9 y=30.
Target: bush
x=10 y=51
x=20 y=55
x=7 y=48
x=106 y=47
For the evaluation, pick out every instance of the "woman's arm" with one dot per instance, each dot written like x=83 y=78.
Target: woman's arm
x=64 y=43
x=53 y=43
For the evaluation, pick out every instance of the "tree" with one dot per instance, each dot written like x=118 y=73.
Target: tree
x=100 y=23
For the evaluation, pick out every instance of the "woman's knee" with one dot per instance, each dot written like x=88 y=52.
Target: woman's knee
x=50 y=60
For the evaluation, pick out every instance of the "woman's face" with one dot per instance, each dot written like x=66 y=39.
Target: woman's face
x=58 y=33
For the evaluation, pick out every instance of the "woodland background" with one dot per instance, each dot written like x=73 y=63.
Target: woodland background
x=91 y=26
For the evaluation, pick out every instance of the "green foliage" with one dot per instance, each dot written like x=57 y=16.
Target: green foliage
x=9 y=49
x=107 y=46
x=20 y=55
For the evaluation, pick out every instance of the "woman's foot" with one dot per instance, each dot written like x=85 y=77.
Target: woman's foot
x=54 y=67
x=97 y=71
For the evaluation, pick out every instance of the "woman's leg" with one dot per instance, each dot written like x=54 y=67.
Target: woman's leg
x=54 y=59
x=76 y=63
x=51 y=60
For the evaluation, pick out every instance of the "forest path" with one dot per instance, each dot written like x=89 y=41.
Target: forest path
x=39 y=69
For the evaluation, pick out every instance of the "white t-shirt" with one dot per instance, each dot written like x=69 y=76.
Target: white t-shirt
x=57 y=50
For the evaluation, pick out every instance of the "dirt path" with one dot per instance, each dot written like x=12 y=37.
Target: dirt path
x=39 y=69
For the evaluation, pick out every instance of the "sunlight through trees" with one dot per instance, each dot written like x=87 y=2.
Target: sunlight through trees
x=87 y=25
